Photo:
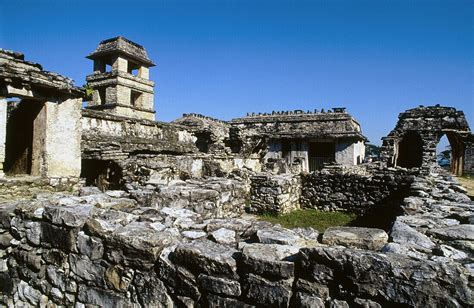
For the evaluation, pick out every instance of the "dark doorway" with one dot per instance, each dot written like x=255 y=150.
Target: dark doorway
x=410 y=151
x=24 y=142
x=104 y=174
x=285 y=149
x=321 y=153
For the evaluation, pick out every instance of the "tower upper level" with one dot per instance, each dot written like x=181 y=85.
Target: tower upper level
x=120 y=80
x=122 y=55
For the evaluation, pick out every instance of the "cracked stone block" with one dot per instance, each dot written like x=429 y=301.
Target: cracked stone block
x=365 y=238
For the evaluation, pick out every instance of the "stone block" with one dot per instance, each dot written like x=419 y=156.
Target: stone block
x=365 y=238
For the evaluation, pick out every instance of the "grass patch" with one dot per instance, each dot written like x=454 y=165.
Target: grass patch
x=311 y=218
x=467 y=182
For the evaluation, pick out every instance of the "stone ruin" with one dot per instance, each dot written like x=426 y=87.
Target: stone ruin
x=103 y=206
x=413 y=141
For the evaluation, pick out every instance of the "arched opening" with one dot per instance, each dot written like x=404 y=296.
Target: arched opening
x=410 y=150
x=450 y=153
x=443 y=153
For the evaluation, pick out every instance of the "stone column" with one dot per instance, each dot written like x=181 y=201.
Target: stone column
x=62 y=151
x=3 y=132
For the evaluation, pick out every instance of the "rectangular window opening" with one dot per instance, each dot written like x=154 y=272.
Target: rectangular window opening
x=135 y=98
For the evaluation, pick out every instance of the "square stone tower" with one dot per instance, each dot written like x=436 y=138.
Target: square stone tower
x=120 y=81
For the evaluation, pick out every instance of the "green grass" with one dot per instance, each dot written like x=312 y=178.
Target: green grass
x=468 y=182
x=311 y=218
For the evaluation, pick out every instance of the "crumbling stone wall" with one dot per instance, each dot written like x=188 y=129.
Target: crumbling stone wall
x=108 y=136
x=277 y=194
x=355 y=193
x=3 y=133
x=106 y=250
x=330 y=190
x=428 y=124
x=57 y=137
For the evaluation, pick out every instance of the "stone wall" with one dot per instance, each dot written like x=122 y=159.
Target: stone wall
x=107 y=136
x=3 y=132
x=105 y=249
x=469 y=160
x=428 y=124
x=356 y=193
x=274 y=194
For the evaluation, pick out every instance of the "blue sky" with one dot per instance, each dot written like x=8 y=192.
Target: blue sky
x=226 y=58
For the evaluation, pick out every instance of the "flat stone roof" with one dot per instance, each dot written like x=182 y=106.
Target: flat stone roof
x=121 y=45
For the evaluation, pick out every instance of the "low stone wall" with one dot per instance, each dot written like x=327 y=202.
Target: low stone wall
x=106 y=250
x=330 y=191
x=14 y=188
x=274 y=194
x=211 y=197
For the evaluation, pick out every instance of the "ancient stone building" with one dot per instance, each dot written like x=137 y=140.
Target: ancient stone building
x=304 y=141
x=40 y=128
x=167 y=229
x=120 y=81
x=413 y=141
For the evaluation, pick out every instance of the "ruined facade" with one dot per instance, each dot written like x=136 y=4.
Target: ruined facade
x=40 y=131
x=413 y=141
x=304 y=141
x=166 y=226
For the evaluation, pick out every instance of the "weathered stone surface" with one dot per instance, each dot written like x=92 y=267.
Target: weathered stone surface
x=100 y=297
x=219 y=285
x=320 y=290
x=140 y=243
x=118 y=278
x=266 y=292
x=57 y=278
x=407 y=236
x=460 y=232
x=71 y=216
x=194 y=234
x=59 y=237
x=224 y=236
x=395 y=278
x=366 y=238
x=279 y=236
x=86 y=269
x=270 y=260
x=236 y=224
x=90 y=246
x=151 y=291
x=179 y=279
x=338 y=304
x=207 y=257
x=218 y=301
x=33 y=232
x=308 y=301
x=366 y=303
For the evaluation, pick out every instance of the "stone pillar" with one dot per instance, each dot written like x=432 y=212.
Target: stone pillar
x=62 y=151
x=120 y=65
x=144 y=72
x=3 y=132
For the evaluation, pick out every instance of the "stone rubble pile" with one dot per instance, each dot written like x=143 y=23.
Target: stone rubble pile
x=107 y=249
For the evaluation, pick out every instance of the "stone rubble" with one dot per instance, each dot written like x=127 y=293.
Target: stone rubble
x=105 y=249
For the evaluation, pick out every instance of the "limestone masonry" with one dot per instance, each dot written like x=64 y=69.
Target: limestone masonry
x=105 y=206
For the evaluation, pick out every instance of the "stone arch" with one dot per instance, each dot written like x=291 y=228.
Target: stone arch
x=430 y=124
